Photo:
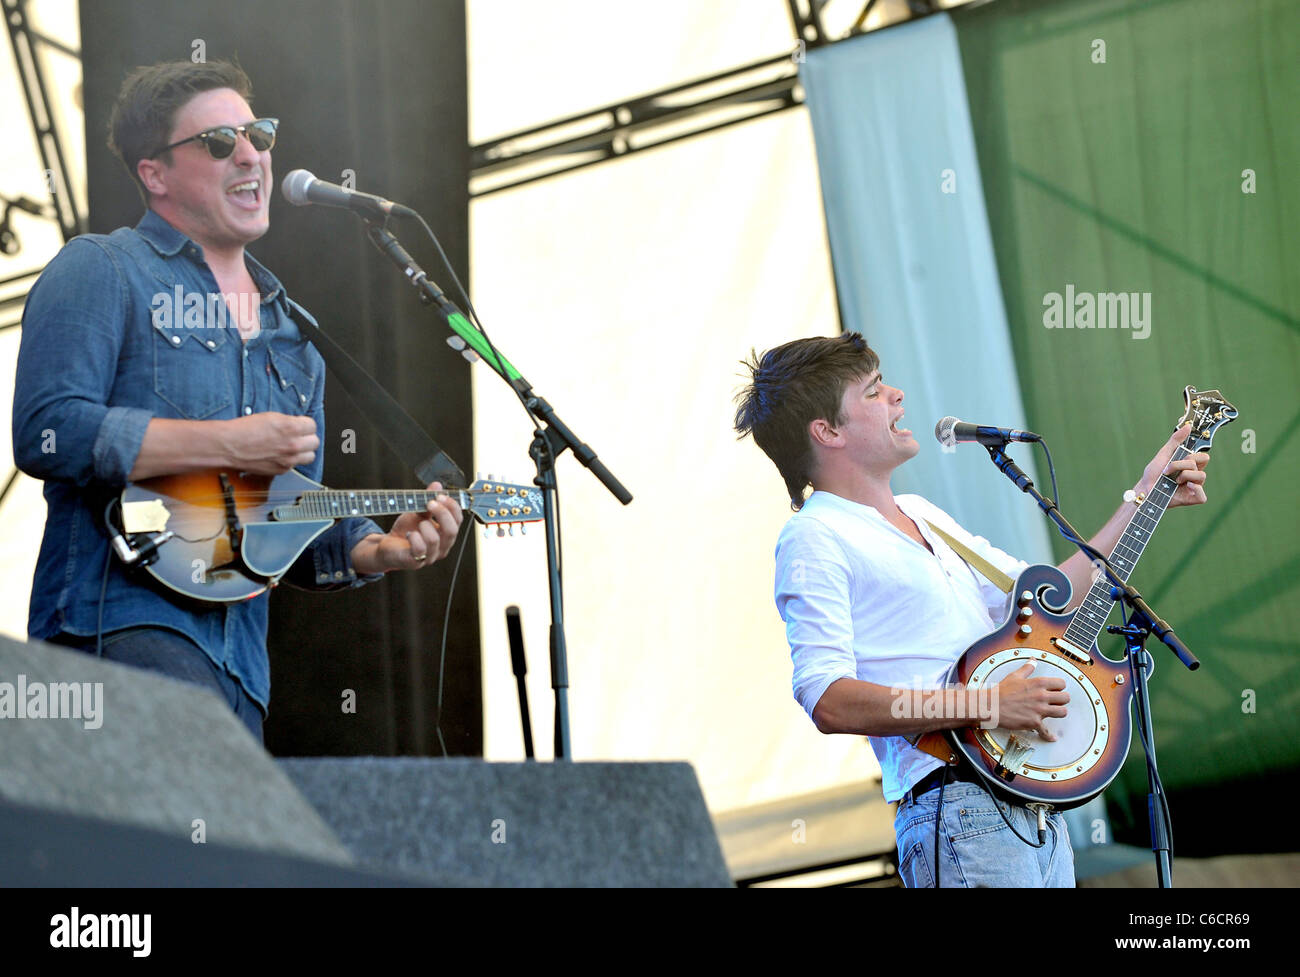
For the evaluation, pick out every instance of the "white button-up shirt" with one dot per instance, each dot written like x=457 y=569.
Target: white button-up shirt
x=863 y=600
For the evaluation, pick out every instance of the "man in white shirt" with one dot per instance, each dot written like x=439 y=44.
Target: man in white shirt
x=874 y=601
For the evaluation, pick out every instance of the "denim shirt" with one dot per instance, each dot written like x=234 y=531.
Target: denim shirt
x=105 y=348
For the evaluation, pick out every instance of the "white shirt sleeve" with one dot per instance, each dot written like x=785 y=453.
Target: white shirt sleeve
x=813 y=584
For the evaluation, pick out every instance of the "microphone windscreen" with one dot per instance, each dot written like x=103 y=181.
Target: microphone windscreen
x=943 y=431
x=294 y=187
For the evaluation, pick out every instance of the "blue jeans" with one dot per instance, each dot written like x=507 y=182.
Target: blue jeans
x=976 y=849
x=176 y=656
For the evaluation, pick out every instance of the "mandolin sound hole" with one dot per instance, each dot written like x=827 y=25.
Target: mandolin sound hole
x=1075 y=733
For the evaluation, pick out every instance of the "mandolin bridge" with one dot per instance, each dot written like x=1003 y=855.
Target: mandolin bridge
x=1072 y=650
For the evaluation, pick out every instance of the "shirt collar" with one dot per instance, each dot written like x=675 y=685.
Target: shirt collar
x=166 y=240
x=169 y=242
x=266 y=282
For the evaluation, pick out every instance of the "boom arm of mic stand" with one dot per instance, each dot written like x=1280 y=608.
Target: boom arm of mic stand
x=547 y=443
x=431 y=294
x=1120 y=587
x=1159 y=628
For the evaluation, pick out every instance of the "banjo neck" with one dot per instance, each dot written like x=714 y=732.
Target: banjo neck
x=1097 y=605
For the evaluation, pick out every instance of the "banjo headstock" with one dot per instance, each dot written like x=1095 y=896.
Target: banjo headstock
x=1207 y=411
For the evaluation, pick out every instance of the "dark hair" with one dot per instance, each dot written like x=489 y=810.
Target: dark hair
x=146 y=106
x=793 y=385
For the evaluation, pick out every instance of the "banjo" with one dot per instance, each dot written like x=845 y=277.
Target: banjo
x=1092 y=740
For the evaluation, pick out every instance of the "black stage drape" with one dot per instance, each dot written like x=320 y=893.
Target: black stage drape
x=376 y=92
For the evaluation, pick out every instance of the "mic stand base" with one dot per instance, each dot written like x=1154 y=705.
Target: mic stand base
x=1139 y=665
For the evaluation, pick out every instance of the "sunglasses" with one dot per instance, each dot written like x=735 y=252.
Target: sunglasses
x=220 y=141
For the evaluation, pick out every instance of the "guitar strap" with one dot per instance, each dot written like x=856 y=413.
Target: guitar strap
x=399 y=430
x=995 y=576
x=934 y=743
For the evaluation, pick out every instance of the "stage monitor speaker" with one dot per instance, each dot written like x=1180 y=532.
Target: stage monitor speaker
x=94 y=739
x=519 y=824
x=40 y=848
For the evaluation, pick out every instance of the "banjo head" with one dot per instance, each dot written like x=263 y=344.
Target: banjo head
x=1082 y=735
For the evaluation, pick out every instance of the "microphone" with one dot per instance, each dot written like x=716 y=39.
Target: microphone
x=950 y=430
x=301 y=188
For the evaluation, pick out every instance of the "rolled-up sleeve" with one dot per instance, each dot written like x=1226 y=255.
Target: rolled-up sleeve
x=121 y=433
x=327 y=563
x=812 y=597
x=73 y=328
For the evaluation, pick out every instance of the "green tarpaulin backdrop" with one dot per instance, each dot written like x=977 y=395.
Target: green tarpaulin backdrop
x=1154 y=148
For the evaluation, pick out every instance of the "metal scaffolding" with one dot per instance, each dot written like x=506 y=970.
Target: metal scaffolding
x=670 y=114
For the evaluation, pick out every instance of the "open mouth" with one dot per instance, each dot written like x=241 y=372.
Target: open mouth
x=248 y=194
x=902 y=432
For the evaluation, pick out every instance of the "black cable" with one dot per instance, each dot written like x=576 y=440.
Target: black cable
x=1158 y=785
x=938 y=820
x=559 y=544
x=1137 y=705
x=982 y=783
x=1088 y=549
x=1042 y=839
x=103 y=584
x=1042 y=836
x=472 y=314
x=1051 y=469
x=559 y=531
x=473 y=317
x=446 y=623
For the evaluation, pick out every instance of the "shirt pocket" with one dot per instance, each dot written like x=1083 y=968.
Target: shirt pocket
x=189 y=374
x=293 y=382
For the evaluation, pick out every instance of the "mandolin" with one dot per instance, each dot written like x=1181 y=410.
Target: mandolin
x=226 y=536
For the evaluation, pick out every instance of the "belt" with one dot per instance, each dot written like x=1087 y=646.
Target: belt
x=931 y=781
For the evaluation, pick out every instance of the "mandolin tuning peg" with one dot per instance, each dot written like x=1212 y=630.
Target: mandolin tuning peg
x=501 y=530
x=486 y=532
x=523 y=529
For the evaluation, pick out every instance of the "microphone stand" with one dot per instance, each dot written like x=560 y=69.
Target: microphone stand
x=550 y=439
x=1140 y=665
x=519 y=664
x=1141 y=623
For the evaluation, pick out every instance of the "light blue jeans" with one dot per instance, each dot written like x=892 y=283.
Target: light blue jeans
x=976 y=849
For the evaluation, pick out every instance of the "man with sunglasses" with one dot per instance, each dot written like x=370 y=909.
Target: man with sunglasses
x=121 y=377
